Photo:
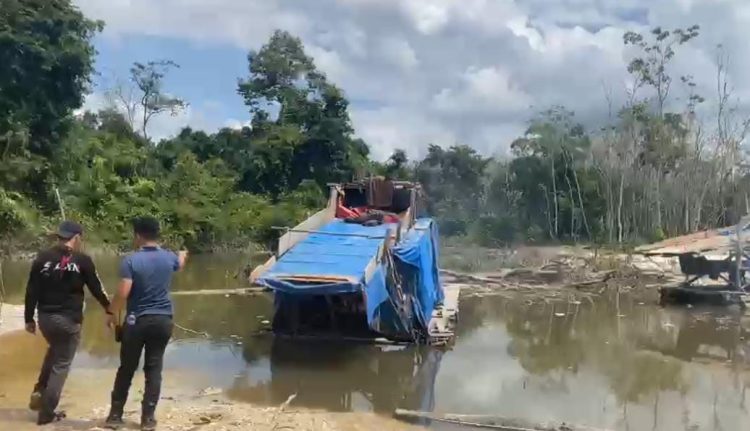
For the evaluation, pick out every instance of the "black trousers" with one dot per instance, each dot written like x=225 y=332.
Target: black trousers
x=150 y=333
x=63 y=335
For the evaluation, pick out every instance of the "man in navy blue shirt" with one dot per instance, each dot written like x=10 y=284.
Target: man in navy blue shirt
x=146 y=276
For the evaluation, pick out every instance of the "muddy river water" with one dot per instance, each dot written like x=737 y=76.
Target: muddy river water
x=611 y=363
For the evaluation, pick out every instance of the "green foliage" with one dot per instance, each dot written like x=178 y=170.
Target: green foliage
x=47 y=61
x=453 y=180
x=311 y=138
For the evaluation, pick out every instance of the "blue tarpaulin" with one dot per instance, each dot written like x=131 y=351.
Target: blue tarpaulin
x=332 y=251
x=419 y=250
x=344 y=250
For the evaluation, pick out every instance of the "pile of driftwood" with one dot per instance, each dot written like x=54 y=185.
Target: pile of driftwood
x=487 y=422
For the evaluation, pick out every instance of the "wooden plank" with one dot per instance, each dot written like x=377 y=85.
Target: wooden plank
x=209 y=292
x=342 y=339
x=260 y=269
x=298 y=233
x=490 y=422
x=441 y=328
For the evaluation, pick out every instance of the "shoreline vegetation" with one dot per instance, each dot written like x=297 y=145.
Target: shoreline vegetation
x=612 y=184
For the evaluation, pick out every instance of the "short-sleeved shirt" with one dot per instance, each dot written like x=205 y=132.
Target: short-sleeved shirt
x=151 y=269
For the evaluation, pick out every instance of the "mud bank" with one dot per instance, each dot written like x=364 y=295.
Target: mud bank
x=11 y=318
x=183 y=407
x=87 y=391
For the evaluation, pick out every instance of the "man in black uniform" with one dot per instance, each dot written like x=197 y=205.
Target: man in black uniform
x=55 y=289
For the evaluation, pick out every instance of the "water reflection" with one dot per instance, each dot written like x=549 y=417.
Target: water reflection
x=341 y=377
x=707 y=336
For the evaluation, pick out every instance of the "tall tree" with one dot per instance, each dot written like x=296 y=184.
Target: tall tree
x=284 y=82
x=46 y=61
x=152 y=100
x=657 y=50
x=454 y=182
x=665 y=131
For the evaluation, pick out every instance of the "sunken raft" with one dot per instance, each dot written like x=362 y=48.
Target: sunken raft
x=364 y=268
x=715 y=264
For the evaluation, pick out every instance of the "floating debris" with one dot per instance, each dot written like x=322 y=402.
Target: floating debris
x=210 y=391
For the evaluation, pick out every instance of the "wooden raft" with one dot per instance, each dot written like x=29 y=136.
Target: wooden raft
x=442 y=326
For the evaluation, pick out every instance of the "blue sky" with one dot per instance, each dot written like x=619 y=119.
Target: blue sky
x=422 y=71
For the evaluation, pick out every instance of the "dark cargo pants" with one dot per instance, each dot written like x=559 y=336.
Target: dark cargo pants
x=150 y=333
x=62 y=335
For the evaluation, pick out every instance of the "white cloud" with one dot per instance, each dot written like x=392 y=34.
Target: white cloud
x=447 y=71
x=485 y=91
x=399 y=53
x=388 y=129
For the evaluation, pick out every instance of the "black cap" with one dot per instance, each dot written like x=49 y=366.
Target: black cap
x=68 y=229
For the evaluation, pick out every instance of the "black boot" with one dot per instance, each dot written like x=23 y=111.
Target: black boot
x=35 y=400
x=148 y=421
x=48 y=418
x=114 y=419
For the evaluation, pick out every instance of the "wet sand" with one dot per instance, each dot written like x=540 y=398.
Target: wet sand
x=11 y=318
x=86 y=395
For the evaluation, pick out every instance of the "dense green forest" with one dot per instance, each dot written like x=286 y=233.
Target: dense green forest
x=654 y=169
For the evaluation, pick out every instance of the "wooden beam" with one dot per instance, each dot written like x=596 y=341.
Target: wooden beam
x=238 y=291
x=489 y=422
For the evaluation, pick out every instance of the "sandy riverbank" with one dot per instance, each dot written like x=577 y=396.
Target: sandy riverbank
x=86 y=397
x=11 y=318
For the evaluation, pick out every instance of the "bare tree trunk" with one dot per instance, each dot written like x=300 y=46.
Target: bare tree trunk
x=659 y=225
x=580 y=201
x=549 y=213
x=554 y=196
x=619 y=206
x=573 y=232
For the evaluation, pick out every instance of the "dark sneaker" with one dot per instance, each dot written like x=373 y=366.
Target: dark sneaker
x=148 y=423
x=45 y=419
x=35 y=401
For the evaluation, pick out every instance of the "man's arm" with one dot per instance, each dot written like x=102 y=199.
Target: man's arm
x=121 y=297
x=123 y=291
x=91 y=277
x=32 y=297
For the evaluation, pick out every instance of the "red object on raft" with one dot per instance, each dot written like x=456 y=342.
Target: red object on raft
x=343 y=212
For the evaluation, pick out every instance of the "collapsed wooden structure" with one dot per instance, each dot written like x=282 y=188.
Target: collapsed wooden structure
x=715 y=264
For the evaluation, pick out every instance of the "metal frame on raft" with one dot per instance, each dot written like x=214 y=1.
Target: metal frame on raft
x=718 y=255
x=437 y=327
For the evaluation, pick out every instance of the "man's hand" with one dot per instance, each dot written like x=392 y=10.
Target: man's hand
x=110 y=321
x=182 y=256
x=31 y=327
